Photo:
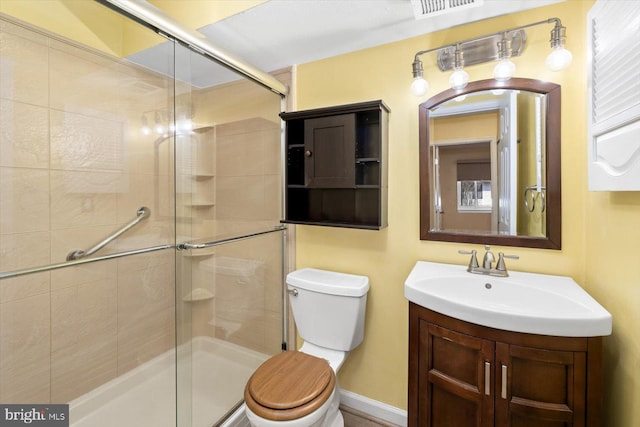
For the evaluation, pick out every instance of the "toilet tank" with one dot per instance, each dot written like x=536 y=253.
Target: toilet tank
x=328 y=307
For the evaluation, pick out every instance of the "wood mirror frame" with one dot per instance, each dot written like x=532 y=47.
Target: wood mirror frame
x=552 y=167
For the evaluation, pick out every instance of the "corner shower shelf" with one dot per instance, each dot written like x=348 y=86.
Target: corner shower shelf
x=201 y=204
x=203 y=253
x=198 y=294
x=202 y=176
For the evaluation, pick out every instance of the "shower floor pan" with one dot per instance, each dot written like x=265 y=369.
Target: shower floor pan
x=146 y=396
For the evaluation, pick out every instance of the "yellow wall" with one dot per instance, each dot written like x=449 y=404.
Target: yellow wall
x=84 y=21
x=599 y=230
x=613 y=233
x=468 y=126
x=94 y=25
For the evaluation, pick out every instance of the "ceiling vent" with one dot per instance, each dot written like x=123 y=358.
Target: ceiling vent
x=428 y=8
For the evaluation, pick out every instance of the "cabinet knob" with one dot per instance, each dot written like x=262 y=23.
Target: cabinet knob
x=307 y=153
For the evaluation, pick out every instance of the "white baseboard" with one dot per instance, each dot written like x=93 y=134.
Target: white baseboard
x=377 y=409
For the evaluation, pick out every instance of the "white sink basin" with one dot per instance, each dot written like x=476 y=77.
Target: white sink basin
x=523 y=302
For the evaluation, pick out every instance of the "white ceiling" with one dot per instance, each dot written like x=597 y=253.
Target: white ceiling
x=280 y=33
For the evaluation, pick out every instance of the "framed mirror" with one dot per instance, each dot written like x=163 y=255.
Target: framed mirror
x=490 y=164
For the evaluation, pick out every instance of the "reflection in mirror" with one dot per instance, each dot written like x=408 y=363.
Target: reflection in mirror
x=490 y=164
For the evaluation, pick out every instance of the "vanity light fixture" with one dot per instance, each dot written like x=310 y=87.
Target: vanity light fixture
x=500 y=46
x=419 y=86
x=160 y=123
x=459 y=78
x=559 y=58
x=164 y=124
x=505 y=68
x=145 y=129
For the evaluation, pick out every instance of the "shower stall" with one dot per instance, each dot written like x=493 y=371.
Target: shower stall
x=141 y=252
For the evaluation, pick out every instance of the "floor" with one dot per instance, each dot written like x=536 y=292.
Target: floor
x=353 y=418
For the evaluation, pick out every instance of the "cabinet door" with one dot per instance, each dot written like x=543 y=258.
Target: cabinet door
x=541 y=388
x=455 y=379
x=329 y=144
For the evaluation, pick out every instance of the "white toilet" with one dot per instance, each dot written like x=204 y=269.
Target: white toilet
x=299 y=388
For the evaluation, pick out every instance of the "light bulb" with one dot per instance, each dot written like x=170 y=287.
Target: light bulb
x=145 y=129
x=459 y=79
x=559 y=58
x=419 y=86
x=504 y=70
x=185 y=126
x=158 y=127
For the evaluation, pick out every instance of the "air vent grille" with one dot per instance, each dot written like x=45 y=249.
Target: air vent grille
x=428 y=8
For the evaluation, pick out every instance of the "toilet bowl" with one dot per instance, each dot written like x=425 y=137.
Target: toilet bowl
x=299 y=388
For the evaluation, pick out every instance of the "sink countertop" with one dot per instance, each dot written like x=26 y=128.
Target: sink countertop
x=523 y=302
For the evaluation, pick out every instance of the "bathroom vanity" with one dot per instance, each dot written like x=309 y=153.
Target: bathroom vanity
x=462 y=374
x=523 y=350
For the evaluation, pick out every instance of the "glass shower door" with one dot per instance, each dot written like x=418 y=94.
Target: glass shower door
x=230 y=266
x=77 y=163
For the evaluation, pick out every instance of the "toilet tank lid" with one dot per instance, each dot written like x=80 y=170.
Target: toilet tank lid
x=329 y=282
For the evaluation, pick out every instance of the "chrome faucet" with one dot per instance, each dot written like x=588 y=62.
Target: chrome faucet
x=488 y=259
x=487 y=263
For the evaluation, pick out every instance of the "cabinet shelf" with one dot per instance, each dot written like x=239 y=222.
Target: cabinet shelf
x=330 y=223
x=336 y=170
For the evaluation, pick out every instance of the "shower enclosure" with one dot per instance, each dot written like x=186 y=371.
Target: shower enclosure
x=141 y=254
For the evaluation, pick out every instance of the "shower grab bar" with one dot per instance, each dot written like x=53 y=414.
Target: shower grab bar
x=141 y=213
x=187 y=245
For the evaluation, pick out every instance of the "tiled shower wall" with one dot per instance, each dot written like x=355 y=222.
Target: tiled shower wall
x=244 y=278
x=74 y=167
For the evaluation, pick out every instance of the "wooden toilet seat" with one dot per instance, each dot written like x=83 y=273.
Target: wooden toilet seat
x=289 y=386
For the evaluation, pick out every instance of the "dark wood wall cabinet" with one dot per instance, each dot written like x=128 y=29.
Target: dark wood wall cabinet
x=462 y=374
x=336 y=171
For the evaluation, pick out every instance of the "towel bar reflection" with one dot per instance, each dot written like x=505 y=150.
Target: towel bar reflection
x=531 y=195
x=141 y=213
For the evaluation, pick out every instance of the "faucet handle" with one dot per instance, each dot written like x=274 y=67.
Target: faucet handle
x=473 y=261
x=501 y=266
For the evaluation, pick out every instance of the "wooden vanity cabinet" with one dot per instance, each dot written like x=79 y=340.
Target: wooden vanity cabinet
x=336 y=172
x=463 y=374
